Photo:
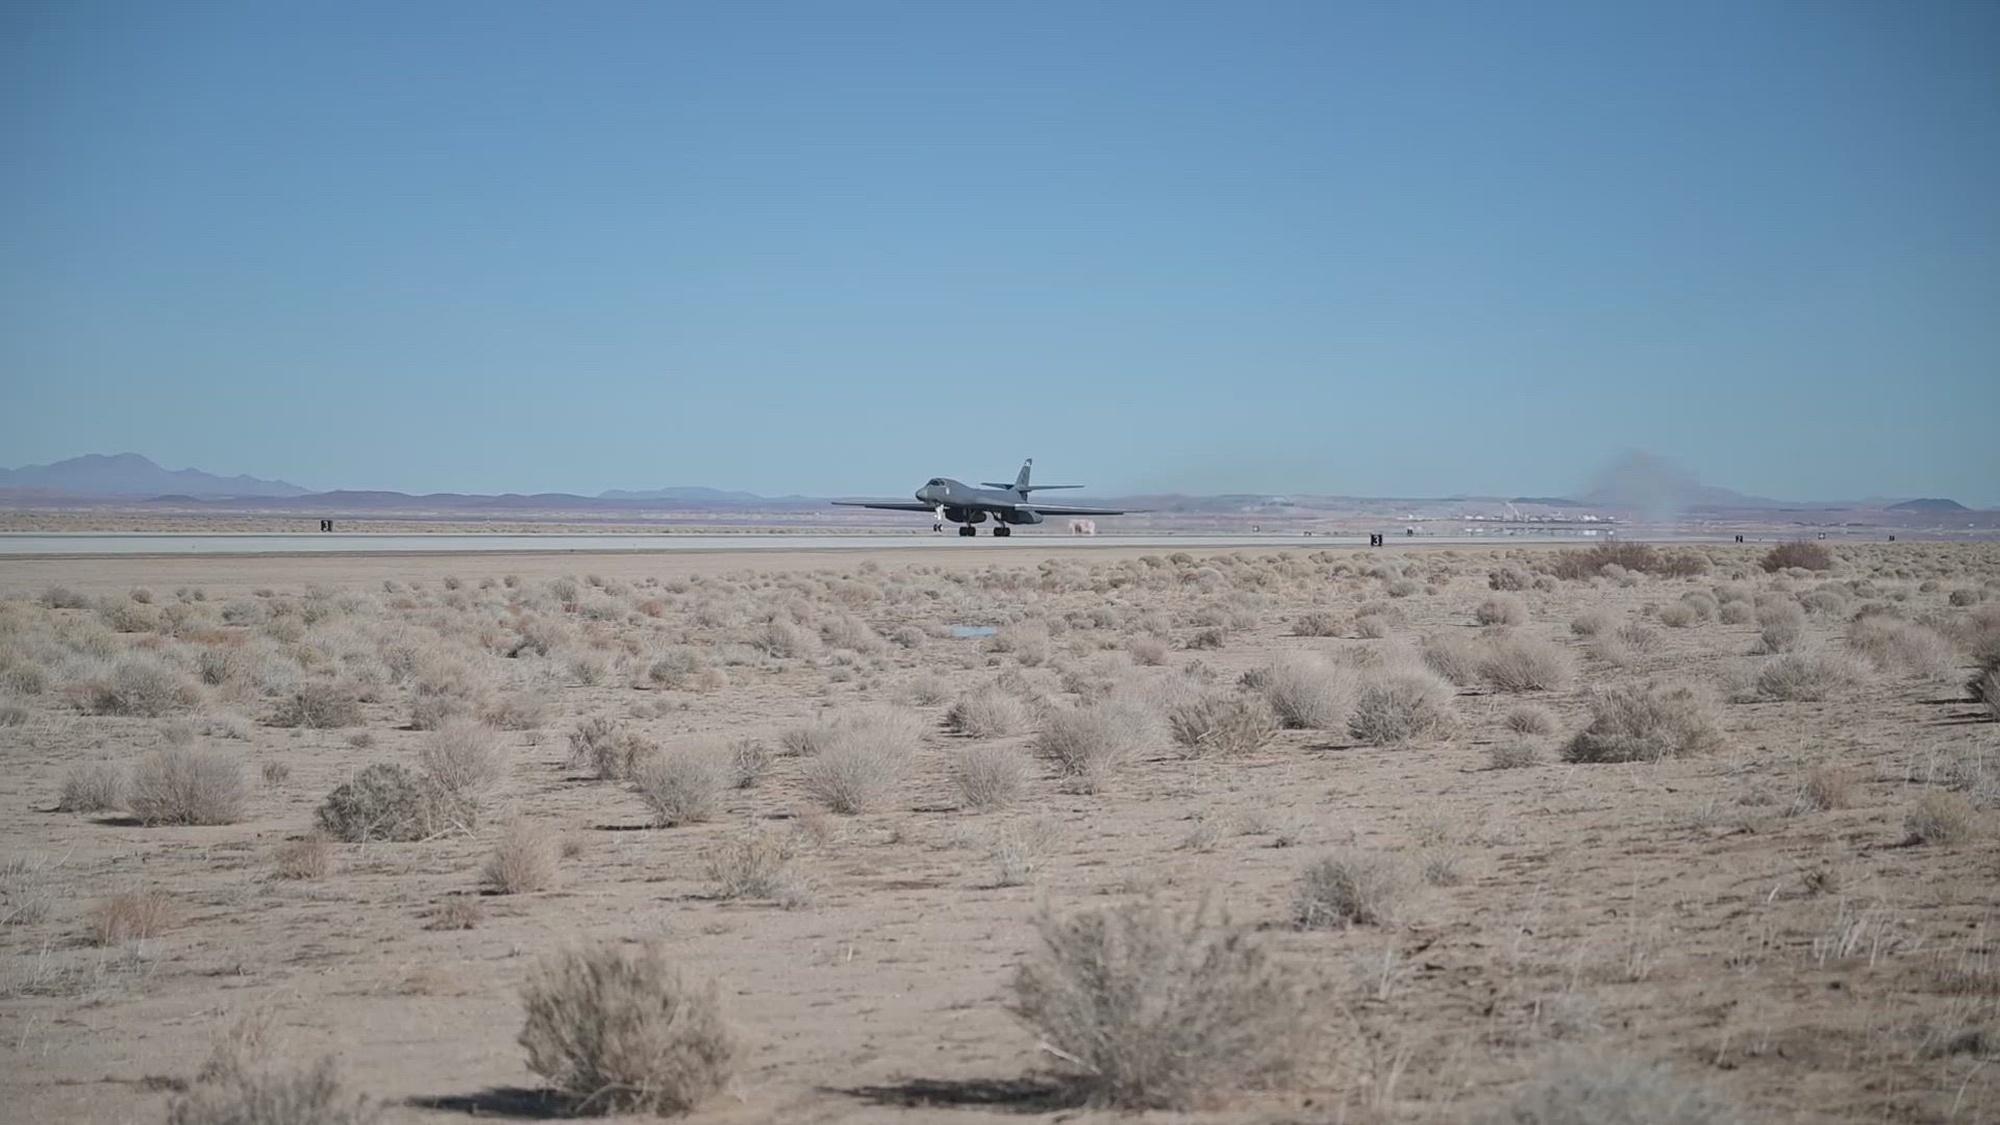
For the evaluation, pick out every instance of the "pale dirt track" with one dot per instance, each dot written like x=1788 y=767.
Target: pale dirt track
x=1802 y=964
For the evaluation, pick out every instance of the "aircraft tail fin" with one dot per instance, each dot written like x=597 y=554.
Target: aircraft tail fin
x=1021 y=484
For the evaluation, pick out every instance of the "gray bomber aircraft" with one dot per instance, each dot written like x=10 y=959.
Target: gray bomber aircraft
x=961 y=503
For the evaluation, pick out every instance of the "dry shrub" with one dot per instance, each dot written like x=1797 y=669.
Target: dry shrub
x=1904 y=648
x=387 y=801
x=859 y=757
x=321 y=705
x=1454 y=656
x=1317 y=624
x=1986 y=689
x=464 y=758
x=142 y=687
x=754 y=866
x=1515 y=663
x=1804 y=554
x=1514 y=754
x=1503 y=609
x=683 y=785
x=1641 y=558
x=1376 y=626
x=306 y=858
x=1592 y=623
x=133 y=916
x=1164 y=1010
x=1737 y=612
x=617 y=1032
x=1028 y=642
x=1400 y=703
x=92 y=787
x=457 y=913
x=987 y=713
x=239 y=1085
x=749 y=759
x=1646 y=724
x=988 y=777
x=1305 y=691
x=1939 y=817
x=1089 y=742
x=850 y=632
x=606 y=748
x=1825 y=600
x=1530 y=719
x=1809 y=676
x=1677 y=615
x=519 y=710
x=1781 y=627
x=177 y=786
x=1826 y=787
x=527 y=859
x=1149 y=651
x=1597 y=1090
x=1208 y=720
x=1352 y=887
x=1509 y=578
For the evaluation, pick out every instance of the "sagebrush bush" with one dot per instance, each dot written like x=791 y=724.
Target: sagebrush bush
x=240 y=1085
x=527 y=859
x=987 y=713
x=1781 y=627
x=1517 y=663
x=1939 y=817
x=1352 y=888
x=1454 y=656
x=1162 y=1010
x=619 y=1032
x=1317 y=624
x=1514 y=754
x=1305 y=691
x=1530 y=719
x=1641 y=558
x=1402 y=702
x=177 y=786
x=752 y=866
x=607 y=748
x=307 y=858
x=1645 y=724
x=683 y=785
x=92 y=787
x=1804 y=554
x=858 y=758
x=1501 y=609
x=1677 y=615
x=132 y=916
x=988 y=777
x=1090 y=741
x=387 y=801
x=321 y=705
x=465 y=758
x=1809 y=676
x=1904 y=648
x=1211 y=720
x=1593 y=1089
x=142 y=687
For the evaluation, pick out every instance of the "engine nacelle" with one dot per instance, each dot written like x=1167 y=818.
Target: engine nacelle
x=963 y=515
x=1023 y=517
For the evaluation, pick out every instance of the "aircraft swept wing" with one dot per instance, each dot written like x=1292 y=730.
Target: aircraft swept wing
x=1007 y=505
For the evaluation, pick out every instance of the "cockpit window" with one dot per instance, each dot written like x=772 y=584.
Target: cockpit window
x=937 y=480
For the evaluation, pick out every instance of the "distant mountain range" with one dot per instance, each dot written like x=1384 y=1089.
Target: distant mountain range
x=130 y=475
x=1637 y=482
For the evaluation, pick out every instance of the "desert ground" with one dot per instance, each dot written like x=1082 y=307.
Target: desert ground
x=1413 y=834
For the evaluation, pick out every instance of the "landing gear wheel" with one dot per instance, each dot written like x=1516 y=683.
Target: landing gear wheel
x=1003 y=531
x=968 y=530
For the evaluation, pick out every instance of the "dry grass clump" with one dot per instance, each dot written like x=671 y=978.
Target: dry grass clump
x=1804 y=554
x=1595 y=622
x=1163 y=1010
x=1904 y=648
x=1596 y=1090
x=92 y=787
x=465 y=758
x=757 y=865
x=1501 y=609
x=1645 y=724
x=387 y=801
x=1514 y=754
x=1809 y=676
x=988 y=777
x=1781 y=627
x=1402 y=702
x=1640 y=558
x=1305 y=691
x=1317 y=624
x=239 y=1086
x=307 y=858
x=1027 y=642
x=1089 y=742
x=321 y=705
x=683 y=785
x=617 y=1032
x=1939 y=817
x=1352 y=888
x=527 y=859
x=176 y=786
x=1210 y=720
x=987 y=713
x=1986 y=688
x=1530 y=719
x=142 y=687
x=1516 y=663
x=1826 y=787
x=133 y=916
x=1147 y=650
x=1736 y=612
x=1454 y=656
x=859 y=757
x=607 y=748
x=1677 y=615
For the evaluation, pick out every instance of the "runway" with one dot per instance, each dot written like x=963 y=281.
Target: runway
x=98 y=544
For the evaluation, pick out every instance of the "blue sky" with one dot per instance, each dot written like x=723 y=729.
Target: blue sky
x=1367 y=248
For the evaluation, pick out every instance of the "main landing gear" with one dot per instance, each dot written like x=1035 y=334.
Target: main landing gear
x=1002 y=531
x=968 y=530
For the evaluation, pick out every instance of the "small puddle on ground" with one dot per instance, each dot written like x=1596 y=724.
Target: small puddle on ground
x=973 y=630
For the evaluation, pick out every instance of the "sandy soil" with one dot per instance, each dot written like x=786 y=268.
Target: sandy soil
x=1798 y=962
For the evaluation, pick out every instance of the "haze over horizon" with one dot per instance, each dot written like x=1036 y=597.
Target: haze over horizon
x=1366 y=250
